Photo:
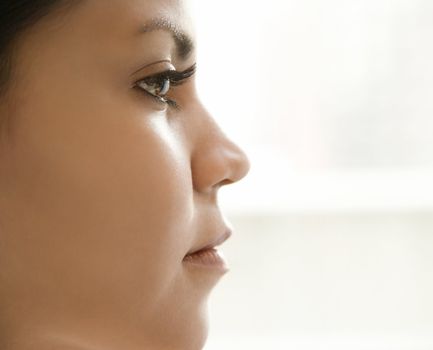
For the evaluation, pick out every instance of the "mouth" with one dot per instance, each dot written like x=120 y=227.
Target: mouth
x=209 y=256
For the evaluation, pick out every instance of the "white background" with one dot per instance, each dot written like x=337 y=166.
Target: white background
x=332 y=102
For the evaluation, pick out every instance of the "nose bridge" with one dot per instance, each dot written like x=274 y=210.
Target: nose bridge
x=216 y=160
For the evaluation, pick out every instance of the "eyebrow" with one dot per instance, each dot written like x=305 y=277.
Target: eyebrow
x=184 y=43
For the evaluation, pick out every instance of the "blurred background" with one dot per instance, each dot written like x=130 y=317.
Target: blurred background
x=333 y=226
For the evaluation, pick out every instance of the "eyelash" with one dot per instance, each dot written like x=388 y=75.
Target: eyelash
x=160 y=80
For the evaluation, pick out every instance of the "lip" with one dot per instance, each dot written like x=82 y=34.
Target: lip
x=210 y=258
x=216 y=242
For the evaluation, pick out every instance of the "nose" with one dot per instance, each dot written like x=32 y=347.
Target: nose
x=216 y=160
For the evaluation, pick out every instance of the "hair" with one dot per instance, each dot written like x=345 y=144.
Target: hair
x=17 y=16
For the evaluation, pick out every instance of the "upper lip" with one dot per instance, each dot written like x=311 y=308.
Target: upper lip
x=216 y=242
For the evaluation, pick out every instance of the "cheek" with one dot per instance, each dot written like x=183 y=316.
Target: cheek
x=107 y=198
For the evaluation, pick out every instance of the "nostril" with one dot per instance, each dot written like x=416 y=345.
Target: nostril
x=226 y=182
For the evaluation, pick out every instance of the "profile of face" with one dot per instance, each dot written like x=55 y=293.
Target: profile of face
x=109 y=176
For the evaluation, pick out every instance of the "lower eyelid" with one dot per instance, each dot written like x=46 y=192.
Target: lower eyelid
x=152 y=98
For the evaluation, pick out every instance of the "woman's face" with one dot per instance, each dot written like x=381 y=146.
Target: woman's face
x=104 y=187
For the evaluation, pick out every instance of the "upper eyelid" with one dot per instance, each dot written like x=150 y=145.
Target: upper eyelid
x=175 y=76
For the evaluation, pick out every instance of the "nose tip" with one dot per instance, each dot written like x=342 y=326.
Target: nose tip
x=220 y=164
x=237 y=165
x=241 y=165
x=216 y=160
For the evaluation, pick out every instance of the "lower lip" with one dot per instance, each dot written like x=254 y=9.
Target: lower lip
x=209 y=258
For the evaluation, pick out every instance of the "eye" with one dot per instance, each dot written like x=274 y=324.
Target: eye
x=158 y=85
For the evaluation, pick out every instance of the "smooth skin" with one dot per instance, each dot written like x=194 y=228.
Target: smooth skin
x=104 y=189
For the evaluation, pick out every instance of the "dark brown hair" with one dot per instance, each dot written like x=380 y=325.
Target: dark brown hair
x=16 y=16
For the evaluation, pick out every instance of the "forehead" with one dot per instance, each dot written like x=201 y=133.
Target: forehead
x=89 y=25
x=122 y=17
x=99 y=34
